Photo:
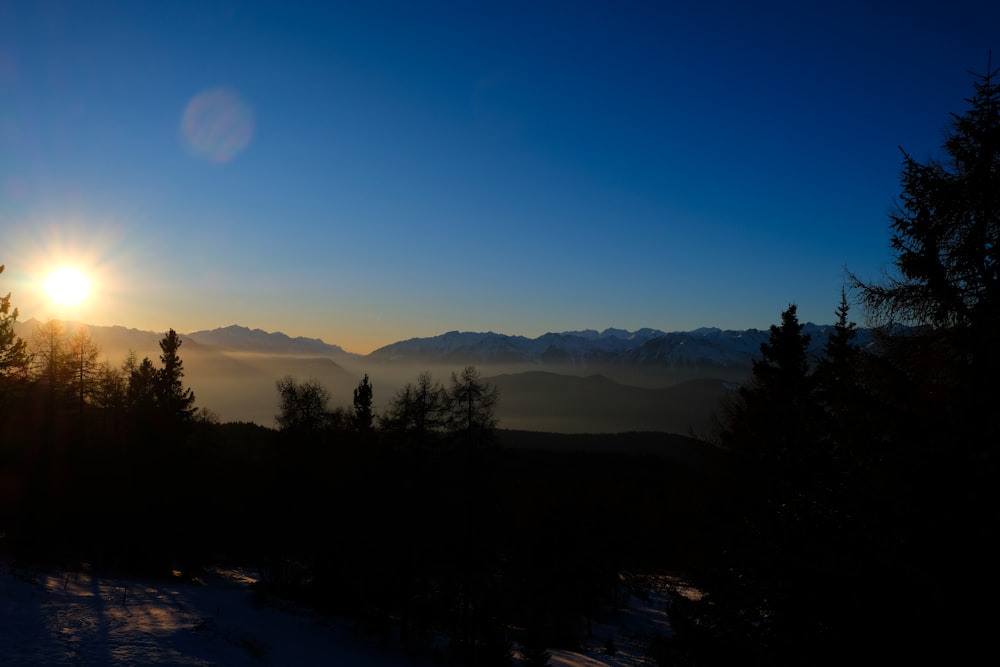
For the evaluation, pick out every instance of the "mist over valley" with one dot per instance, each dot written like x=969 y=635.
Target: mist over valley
x=572 y=382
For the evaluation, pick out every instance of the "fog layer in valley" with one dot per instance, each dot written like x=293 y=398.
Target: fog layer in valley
x=562 y=397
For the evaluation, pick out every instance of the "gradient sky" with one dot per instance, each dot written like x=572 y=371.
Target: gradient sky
x=368 y=172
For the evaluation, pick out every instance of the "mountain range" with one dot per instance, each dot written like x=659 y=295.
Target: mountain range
x=575 y=381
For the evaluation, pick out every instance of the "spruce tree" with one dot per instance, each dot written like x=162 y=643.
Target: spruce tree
x=363 y=416
x=770 y=584
x=773 y=415
x=946 y=287
x=141 y=395
x=175 y=401
x=840 y=387
x=14 y=358
x=945 y=228
x=940 y=314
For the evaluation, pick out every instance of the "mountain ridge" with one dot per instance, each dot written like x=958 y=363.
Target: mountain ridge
x=706 y=347
x=243 y=338
x=581 y=381
x=703 y=348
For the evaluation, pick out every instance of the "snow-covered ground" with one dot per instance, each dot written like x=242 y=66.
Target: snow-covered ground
x=79 y=618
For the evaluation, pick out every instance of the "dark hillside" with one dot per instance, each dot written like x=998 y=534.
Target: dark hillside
x=541 y=401
x=669 y=447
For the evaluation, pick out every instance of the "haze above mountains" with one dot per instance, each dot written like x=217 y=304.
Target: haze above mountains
x=570 y=382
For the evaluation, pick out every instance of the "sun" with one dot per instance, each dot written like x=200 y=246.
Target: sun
x=67 y=286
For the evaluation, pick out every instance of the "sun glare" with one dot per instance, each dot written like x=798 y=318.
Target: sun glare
x=67 y=286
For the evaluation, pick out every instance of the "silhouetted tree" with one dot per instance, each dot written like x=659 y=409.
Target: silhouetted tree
x=15 y=367
x=418 y=411
x=110 y=396
x=303 y=406
x=939 y=313
x=50 y=361
x=774 y=414
x=141 y=397
x=81 y=356
x=837 y=369
x=471 y=405
x=843 y=392
x=946 y=238
x=174 y=400
x=81 y=360
x=111 y=387
x=774 y=583
x=946 y=227
x=363 y=417
x=160 y=408
x=14 y=357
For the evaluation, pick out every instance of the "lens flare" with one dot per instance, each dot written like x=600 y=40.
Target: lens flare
x=217 y=125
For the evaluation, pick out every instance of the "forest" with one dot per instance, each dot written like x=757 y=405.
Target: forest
x=845 y=506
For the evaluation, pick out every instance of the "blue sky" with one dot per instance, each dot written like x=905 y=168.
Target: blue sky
x=370 y=172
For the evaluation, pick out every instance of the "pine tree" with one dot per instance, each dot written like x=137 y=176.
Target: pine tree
x=774 y=583
x=946 y=227
x=110 y=397
x=14 y=357
x=142 y=394
x=946 y=238
x=840 y=353
x=773 y=416
x=175 y=401
x=839 y=384
x=363 y=416
x=941 y=371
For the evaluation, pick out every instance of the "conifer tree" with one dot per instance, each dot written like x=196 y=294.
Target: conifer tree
x=946 y=240
x=110 y=397
x=363 y=416
x=839 y=383
x=14 y=357
x=773 y=415
x=111 y=387
x=945 y=228
x=840 y=352
x=175 y=401
x=142 y=394
x=940 y=313
x=773 y=585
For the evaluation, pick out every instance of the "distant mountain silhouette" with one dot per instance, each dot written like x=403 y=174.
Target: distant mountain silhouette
x=235 y=337
x=572 y=382
x=706 y=348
